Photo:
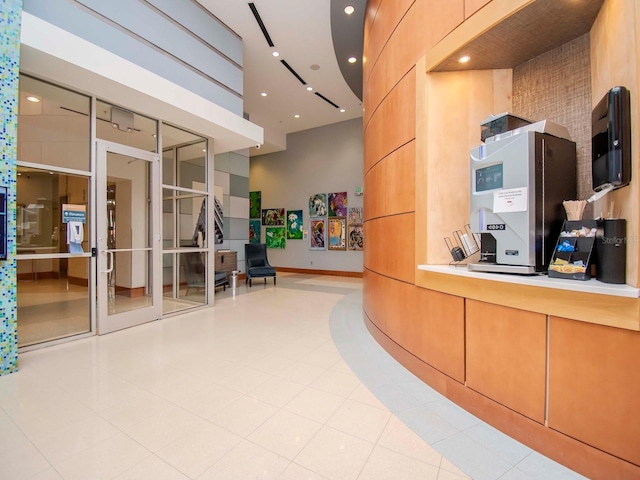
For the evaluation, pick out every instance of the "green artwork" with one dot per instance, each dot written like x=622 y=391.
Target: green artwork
x=294 y=224
x=255 y=204
x=276 y=237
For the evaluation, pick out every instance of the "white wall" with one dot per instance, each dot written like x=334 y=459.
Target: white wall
x=320 y=160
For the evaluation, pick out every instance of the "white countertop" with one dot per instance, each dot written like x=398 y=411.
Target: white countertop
x=587 y=286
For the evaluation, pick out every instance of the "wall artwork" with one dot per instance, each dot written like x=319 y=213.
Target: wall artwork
x=317 y=234
x=276 y=237
x=318 y=205
x=337 y=233
x=355 y=216
x=294 y=224
x=273 y=217
x=255 y=204
x=338 y=204
x=255 y=231
x=356 y=237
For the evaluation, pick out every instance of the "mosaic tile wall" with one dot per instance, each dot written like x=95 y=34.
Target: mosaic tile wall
x=10 y=17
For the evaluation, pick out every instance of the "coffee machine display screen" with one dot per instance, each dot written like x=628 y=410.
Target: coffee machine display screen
x=489 y=178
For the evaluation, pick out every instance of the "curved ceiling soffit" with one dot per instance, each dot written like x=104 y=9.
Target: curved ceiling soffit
x=347 y=33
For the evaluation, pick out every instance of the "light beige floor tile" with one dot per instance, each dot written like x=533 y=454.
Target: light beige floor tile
x=363 y=395
x=335 y=455
x=297 y=472
x=164 y=427
x=315 y=404
x=48 y=474
x=105 y=460
x=152 y=468
x=451 y=468
x=140 y=406
x=244 y=415
x=210 y=400
x=199 y=449
x=384 y=464
x=245 y=379
x=285 y=433
x=322 y=357
x=359 y=420
x=337 y=383
x=277 y=391
x=401 y=439
x=445 y=475
x=302 y=373
x=19 y=459
x=247 y=460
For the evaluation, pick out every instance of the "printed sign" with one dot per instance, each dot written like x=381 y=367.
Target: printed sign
x=74 y=213
x=510 y=200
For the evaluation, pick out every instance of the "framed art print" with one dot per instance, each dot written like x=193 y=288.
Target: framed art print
x=317 y=234
x=337 y=233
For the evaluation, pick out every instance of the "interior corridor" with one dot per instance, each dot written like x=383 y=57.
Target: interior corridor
x=278 y=382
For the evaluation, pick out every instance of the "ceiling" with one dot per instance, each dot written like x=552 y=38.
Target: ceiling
x=315 y=38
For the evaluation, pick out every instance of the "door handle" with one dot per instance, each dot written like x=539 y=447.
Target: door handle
x=109 y=262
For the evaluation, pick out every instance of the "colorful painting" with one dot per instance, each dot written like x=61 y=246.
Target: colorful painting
x=317 y=234
x=276 y=237
x=337 y=233
x=338 y=204
x=273 y=217
x=355 y=216
x=356 y=237
x=318 y=205
x=294 y=224
x=255 y=204
x=255 y=231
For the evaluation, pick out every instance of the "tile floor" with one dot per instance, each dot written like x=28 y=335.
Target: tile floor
x=273 y=383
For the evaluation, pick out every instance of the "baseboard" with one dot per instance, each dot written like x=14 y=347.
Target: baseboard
x=335 y=273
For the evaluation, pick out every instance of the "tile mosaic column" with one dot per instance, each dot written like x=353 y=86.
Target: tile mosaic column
x=10 y=18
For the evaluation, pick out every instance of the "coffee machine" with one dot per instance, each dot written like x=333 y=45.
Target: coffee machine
x=519 y=180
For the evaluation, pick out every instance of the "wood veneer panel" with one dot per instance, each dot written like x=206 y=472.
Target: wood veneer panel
x=399 y=175
x=506 y=356
x=375 y=88
x=614 y=61
x=594 y=385
x=472 y=6
x=390 y=243
x=375 y=181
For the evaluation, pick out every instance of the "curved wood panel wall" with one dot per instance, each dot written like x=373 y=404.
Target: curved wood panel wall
x=485 y=355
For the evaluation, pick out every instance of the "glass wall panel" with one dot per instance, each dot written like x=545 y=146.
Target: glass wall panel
x=121 y=126
x=54 y=125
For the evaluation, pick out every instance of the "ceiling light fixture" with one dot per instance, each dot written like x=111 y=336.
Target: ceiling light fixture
x=33 y=99
x=342 y=110
x=352 y=60
x=349 y=9
x=264 y=94
x=296 y=116
x=309 y=89
x=275 y=53
x=464 y=59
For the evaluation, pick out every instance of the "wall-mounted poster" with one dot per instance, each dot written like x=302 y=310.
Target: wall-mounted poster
x=355 y=216
x=294 y=224
x=276 y=237
x=317 y=234
x=338 y=204
x=318 y=205
x=337 y=233
x=255 y=204
x=273 y=216
x=255 y=231
x=356 y=237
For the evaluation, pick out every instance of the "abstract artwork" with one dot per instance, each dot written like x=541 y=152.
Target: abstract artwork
x=294 y=224
x=317 y=234
x=276 y=237
x=255 y=204
x=355 y=216
x=338 y=204
x=254 y=231
x=273 y=216
x=356 y=237
x=318 y=205
x=337 y=233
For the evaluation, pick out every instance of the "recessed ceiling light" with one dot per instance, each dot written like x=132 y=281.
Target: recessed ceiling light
x=50 y=173
x=315 y=67
x=349 y=9
x=342 y=110
x=352 y=60
x=309 y=89
x=33 y=99
x=464 y=59
x=204 y=149
x=264 y=94
x=19 y=174
x=154 y=135
x=296 y=116
x=275 y=53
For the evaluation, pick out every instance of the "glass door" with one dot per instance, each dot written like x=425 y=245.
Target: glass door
x=128 y=215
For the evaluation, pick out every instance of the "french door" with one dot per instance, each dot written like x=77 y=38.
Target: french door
x=128 y=231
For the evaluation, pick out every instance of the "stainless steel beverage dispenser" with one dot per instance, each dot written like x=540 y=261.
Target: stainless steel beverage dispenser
x=519 y=180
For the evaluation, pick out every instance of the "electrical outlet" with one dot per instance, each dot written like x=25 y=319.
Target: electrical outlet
x=311 y=262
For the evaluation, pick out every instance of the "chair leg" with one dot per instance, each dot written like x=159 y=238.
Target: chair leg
x=265 y=280
x=249 y=283
x=274 y=280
